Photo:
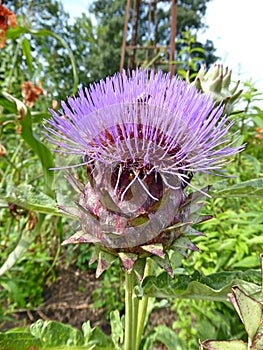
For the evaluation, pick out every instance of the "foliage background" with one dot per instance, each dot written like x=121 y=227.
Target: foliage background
x=58 y=56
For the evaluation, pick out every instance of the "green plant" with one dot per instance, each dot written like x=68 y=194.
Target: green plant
x=32 y=228
x=110 y=295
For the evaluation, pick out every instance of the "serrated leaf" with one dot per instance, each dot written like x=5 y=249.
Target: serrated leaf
x=25 y=196
x=53 y=333
x=18 y=341
x=197 y=286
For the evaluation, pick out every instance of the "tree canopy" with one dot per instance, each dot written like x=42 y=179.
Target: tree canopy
x=95 y=40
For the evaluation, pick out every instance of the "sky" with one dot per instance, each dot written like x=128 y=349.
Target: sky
x=236 y=29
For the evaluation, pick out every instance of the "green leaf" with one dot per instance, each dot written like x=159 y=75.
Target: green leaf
x=248 y=261
x=52 y=334
x=197 y=286
x=14 y=33
x=18 y=341
x=13 y=288
x=249 y=310
x=258 y=339
x=44 y=154
x=9 y=106
x=251 y=188
x=224 y=345
x=198 y=49
x=87 y=332
x=95 y=338
x=25 y=196
x=27 y=52
x=168 y=337
x=12 y=104
x=22 y=246
x=117 y=333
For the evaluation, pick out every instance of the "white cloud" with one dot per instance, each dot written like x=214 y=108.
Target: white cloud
x=235 y=27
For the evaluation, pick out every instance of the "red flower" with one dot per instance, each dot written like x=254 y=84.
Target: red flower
x=6 y=18
x=31 y=92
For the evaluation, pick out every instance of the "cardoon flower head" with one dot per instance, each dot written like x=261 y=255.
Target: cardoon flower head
x=217 y=81
x=142 y=137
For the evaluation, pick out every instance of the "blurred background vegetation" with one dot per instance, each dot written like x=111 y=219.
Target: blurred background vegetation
x=46 y=57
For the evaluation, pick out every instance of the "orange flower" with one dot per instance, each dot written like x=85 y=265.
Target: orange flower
x=6 y=18
x=30 y=93
x=259 y=134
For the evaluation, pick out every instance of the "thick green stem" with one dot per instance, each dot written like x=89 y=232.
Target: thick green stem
x=135 y=310
x=142 y=310
x=130 y=281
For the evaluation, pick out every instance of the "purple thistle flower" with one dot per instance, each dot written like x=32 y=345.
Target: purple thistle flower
x=142 y=137
x=163 y=122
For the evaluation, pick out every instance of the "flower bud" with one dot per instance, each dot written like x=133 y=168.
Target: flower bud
x=216 y=81
x=142 y=138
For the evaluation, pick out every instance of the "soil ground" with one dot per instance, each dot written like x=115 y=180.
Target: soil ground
x=70 y=300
